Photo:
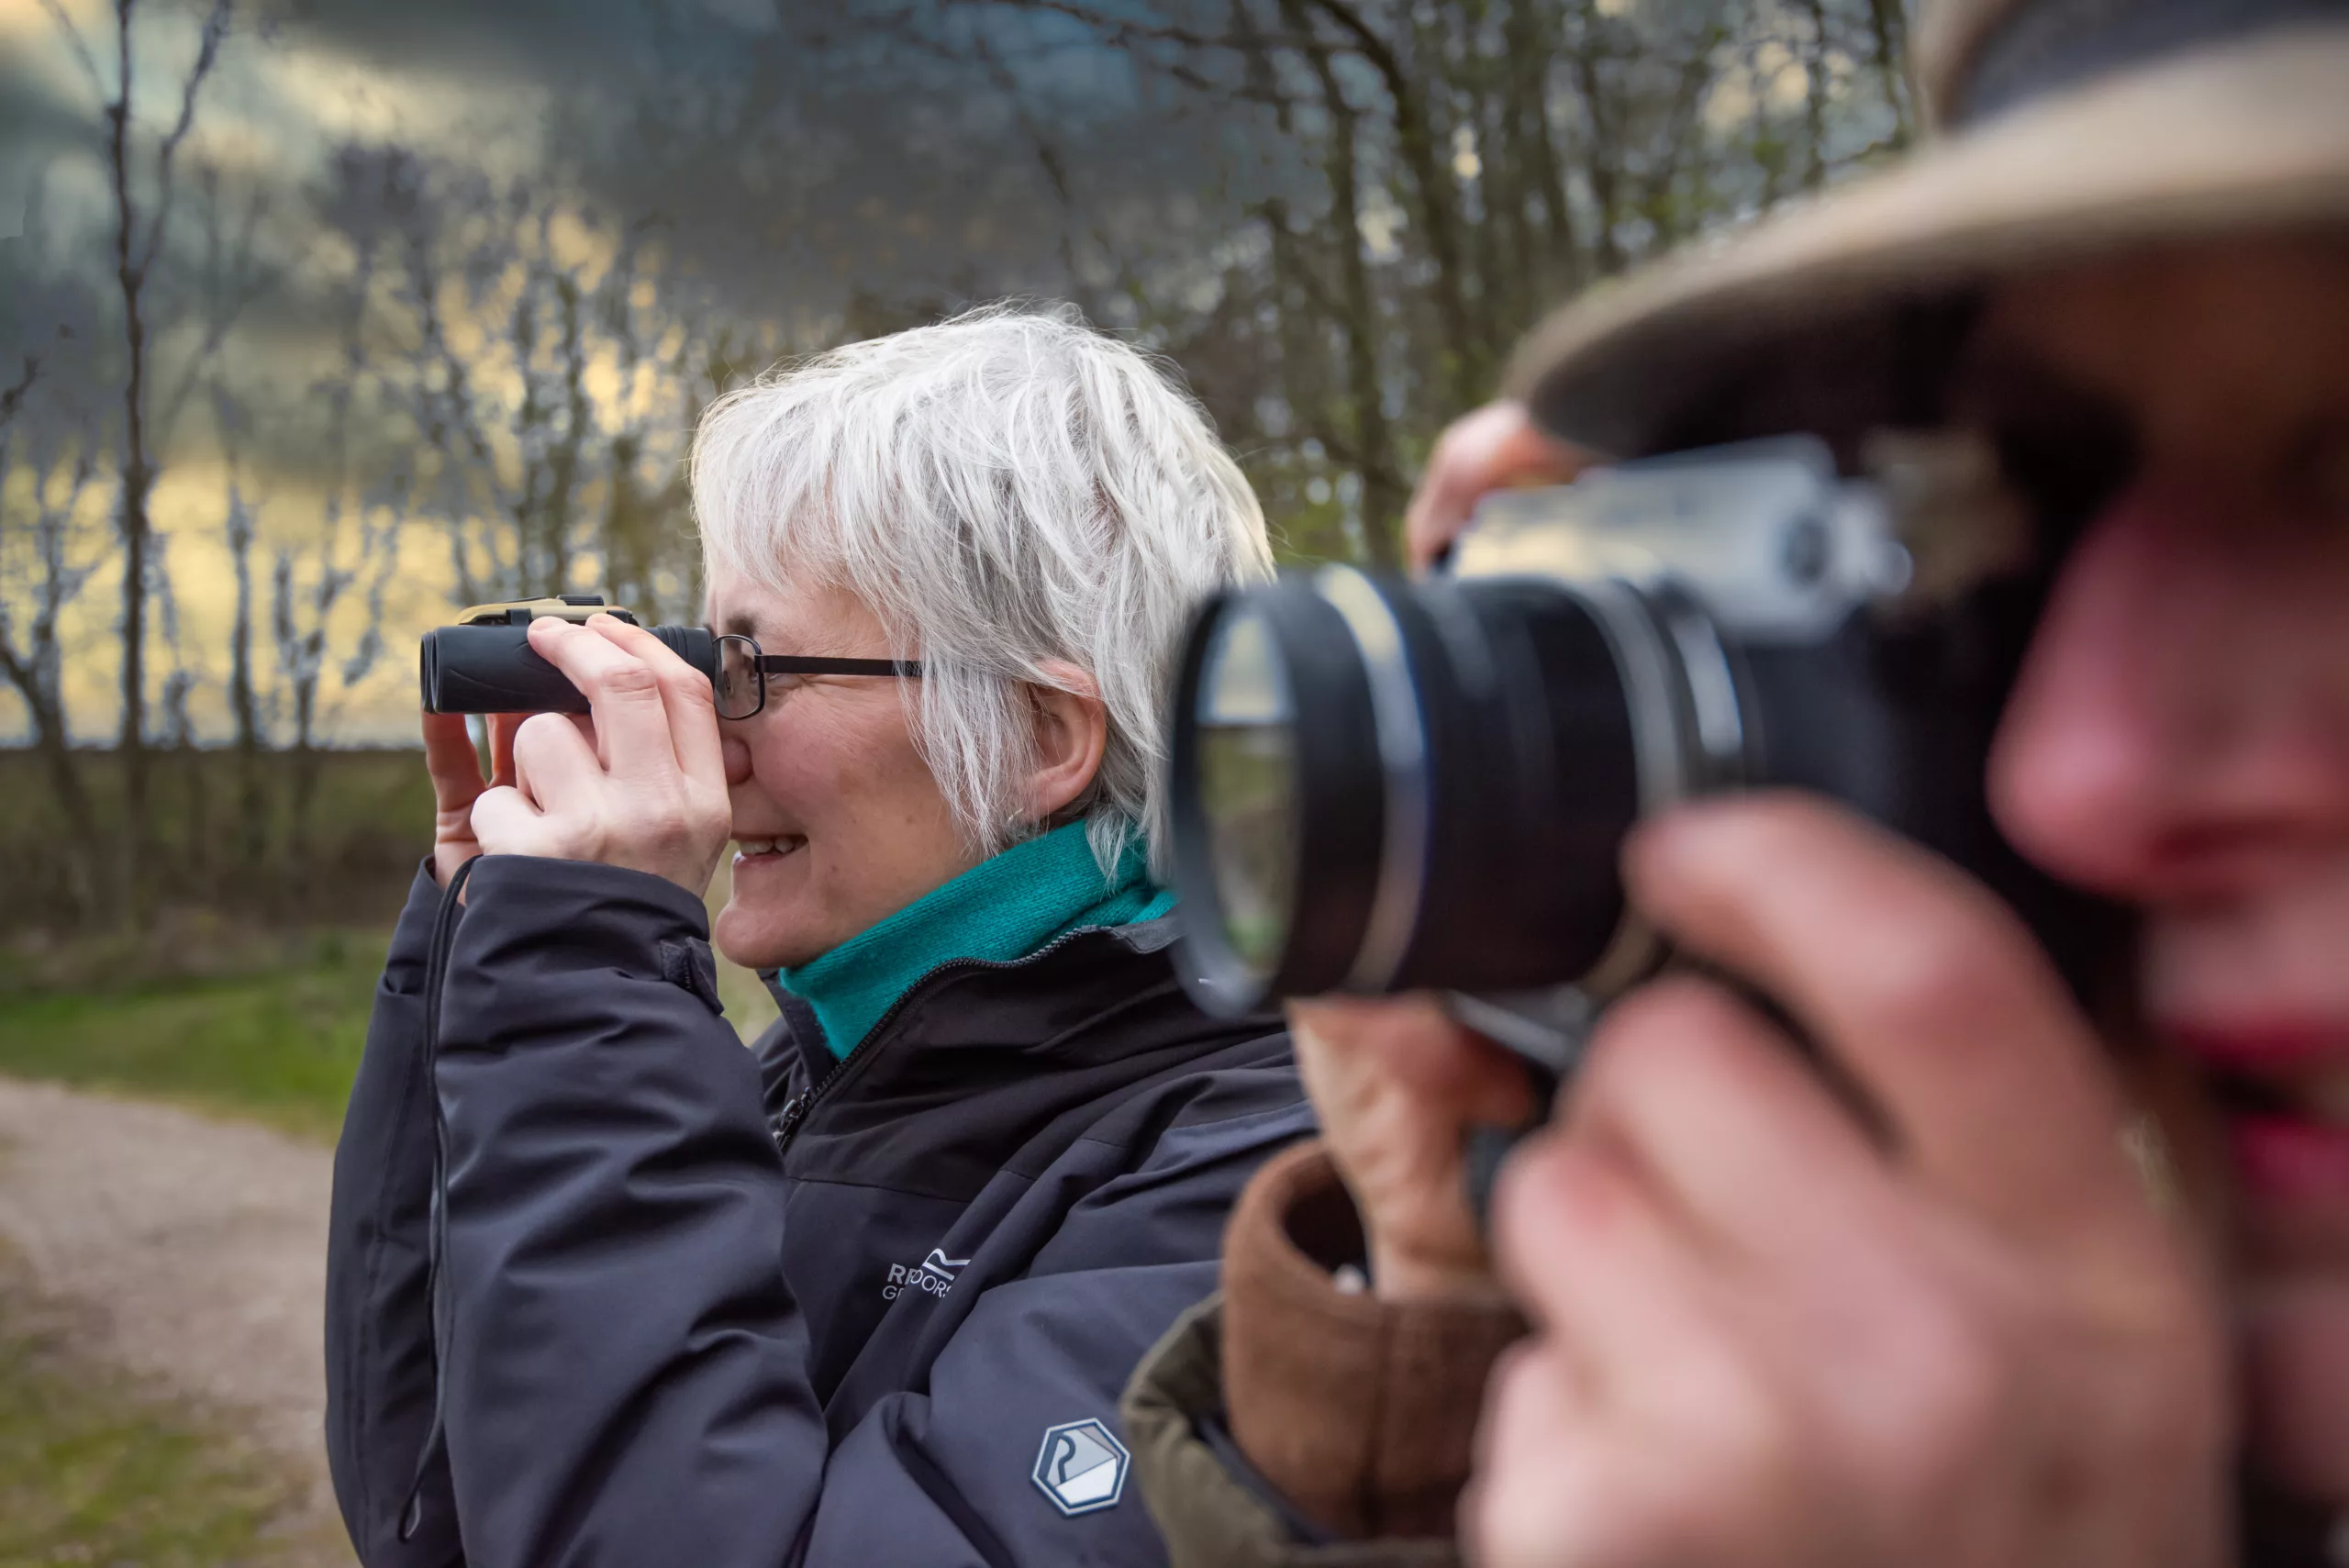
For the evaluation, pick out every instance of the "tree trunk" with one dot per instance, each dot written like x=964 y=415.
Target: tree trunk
x=1432 y=193
x=1814 y=98
x=1890 y=27
x=54 y=744
x=1556 y=270
x=1383 y=493
x=138 y=479
x=1601 y=165
x=243 y=704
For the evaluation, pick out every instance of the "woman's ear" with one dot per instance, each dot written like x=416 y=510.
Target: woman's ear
x=1072 y=732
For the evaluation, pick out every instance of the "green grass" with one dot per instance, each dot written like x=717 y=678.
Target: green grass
x=223 y=1016
x=278 y=1046
x=276 y=1039
x=95 y=1470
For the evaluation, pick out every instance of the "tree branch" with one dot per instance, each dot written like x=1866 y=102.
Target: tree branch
x=79 y=45
x=215 y=30
x=13 y=398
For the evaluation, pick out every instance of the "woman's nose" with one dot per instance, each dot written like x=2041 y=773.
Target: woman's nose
x=737 y=756
x=2181 y=724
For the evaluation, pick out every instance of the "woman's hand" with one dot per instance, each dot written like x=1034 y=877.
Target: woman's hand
x=639 y=782
x=455 y=766
x=1766 y=1337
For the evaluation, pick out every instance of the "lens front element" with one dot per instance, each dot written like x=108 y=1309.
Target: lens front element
x=1247 y=760
x=1378 y=785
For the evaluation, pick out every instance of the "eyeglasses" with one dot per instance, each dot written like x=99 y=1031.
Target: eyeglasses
x=744 y=674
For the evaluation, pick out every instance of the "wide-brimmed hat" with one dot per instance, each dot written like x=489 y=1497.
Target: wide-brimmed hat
x=2061 y=129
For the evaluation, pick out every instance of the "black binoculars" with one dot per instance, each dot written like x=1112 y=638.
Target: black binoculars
x=483 y=663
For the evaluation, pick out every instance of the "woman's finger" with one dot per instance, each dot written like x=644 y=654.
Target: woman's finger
x=1924 y=987
x=685 y=692
x=502 y=730
x=623 y=694
x=505 y=822
x=450 y=761
x=554 y=763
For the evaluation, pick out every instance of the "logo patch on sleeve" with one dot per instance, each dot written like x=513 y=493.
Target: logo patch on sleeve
x=1081 y=1467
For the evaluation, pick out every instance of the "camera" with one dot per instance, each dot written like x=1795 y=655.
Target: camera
x=1382 y=785
x=483 y=662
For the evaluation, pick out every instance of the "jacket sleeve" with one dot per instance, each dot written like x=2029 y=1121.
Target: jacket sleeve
x=1213 y=1507
x=625 y=1377
x=378 y=1326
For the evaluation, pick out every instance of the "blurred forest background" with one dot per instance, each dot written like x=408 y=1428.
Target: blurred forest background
x=319 y=318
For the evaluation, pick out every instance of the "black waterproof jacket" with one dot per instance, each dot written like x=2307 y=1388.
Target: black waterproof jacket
x=606 y=1288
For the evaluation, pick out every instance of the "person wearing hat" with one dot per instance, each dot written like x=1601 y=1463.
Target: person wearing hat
x=2048 y=1313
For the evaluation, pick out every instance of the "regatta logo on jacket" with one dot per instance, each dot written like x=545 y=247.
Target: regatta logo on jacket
x=934 y=1276
x=1080 y=1467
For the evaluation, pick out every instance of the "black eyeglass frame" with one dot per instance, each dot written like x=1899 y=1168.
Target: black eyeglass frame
x=793 y=664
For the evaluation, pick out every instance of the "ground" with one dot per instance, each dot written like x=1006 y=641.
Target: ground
x=97 y=1467
x=159 y=1280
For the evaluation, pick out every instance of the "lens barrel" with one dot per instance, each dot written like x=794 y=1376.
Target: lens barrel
x=491 y=669
x=1380 y=785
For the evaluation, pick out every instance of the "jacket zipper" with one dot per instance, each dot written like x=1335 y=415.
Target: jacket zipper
x=436 y=975
x=795 y=1113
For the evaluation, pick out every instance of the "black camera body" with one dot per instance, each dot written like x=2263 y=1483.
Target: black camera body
x=1381 y=785
x=482 y=662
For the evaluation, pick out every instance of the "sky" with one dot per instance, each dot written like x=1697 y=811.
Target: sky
x=801 y=151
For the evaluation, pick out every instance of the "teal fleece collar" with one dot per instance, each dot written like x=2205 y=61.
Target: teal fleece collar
x=999 y=911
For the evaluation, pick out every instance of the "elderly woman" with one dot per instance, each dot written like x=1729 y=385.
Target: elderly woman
x=606 y=1288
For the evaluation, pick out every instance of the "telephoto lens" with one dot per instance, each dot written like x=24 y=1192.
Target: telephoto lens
x=483 y=663
x=1380 y=785
x=1352 y=752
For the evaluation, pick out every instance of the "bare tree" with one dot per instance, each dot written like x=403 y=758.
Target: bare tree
x=543 y=481
x=239 y=528
x=1454 y=167
x=45 y=562
x=352 y=545
x=142 y=213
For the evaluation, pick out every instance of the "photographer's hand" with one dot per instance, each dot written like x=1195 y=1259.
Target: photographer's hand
x=1496 y=448
x=1396 y=1086
x=455 y=767
x=1765 y=1339
x=639 y=782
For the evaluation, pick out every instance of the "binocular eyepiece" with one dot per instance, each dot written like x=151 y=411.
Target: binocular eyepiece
x=483 y=663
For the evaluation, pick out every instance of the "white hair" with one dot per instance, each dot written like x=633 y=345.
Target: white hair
x=1002 y=489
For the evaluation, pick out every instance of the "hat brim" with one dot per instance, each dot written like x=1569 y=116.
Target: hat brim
x=2247 y=139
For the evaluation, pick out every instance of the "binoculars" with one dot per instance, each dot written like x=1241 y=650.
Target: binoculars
x=483 y=663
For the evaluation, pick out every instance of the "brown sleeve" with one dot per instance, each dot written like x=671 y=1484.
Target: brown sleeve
x=1361 y=1412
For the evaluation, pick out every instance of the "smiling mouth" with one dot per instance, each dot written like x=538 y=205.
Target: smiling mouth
x=765 y=849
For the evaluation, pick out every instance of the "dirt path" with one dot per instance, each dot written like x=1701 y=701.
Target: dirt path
x=194 y=1250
